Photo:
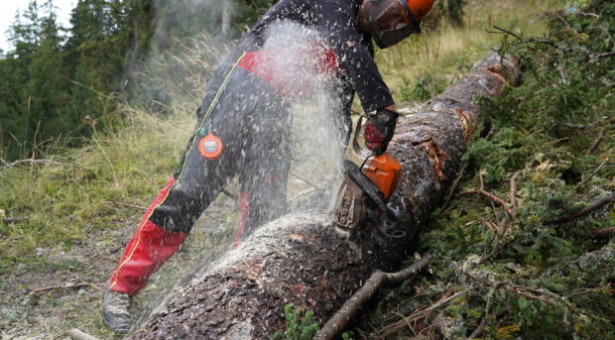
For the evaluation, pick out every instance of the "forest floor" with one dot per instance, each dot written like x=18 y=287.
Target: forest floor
x=65 y=292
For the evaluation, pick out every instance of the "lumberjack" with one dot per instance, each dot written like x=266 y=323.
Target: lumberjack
x=243 y=123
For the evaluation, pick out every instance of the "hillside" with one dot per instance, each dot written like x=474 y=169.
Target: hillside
x=538 y=266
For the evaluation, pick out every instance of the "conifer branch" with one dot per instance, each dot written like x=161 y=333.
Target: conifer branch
x=596 y=143
x=422 y=313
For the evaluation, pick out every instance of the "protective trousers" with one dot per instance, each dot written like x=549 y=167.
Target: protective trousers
x=243 y=129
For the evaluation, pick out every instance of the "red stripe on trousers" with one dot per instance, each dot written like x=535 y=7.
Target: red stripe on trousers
x=148 y=249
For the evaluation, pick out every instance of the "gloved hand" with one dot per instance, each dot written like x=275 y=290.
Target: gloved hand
x=379 y=130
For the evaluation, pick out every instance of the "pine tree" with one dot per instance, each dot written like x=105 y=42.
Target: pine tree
x=46 y=90
x=14 y=69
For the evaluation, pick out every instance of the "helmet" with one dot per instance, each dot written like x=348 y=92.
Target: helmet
x=390 y=21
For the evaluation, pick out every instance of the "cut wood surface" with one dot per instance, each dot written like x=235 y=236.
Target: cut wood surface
x=303 y=260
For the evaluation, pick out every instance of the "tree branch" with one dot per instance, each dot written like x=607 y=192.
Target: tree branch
x=589 y=177
x=122 y=204
x=447 y=298
x=15 y=219
x=593 y=205
x=69 y=286
x=31 y=161
x=541 y=295
x=76 y=334
x=596 y=143
x=341 y=318
x=490 y=196
x=603 y=233
x=481 y=326
x=513 y=195
x=451 y=192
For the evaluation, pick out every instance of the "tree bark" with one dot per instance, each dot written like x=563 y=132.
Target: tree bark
x=303 y=260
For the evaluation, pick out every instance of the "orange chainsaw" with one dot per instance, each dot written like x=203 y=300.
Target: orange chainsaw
x=368 y=184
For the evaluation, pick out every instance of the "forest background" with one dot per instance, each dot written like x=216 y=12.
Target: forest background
x=91 y=116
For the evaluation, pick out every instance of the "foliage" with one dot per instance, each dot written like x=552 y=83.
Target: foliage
x=554 y=135
x=51 y=88
x=56 y=87
x=299 y=326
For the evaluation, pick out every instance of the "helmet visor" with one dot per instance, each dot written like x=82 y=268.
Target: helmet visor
x=388 y=21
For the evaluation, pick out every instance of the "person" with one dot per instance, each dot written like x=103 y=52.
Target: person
x=243 y=123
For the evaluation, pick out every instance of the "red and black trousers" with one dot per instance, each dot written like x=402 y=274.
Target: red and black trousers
x=243 y=130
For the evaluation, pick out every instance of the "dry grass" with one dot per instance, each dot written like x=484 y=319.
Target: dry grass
x=425 y=65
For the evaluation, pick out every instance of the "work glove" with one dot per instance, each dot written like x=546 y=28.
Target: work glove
x=379 y=130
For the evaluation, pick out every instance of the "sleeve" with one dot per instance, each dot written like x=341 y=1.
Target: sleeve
x=336 y=20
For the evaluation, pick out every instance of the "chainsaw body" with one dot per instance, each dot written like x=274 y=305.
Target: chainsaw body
x=369 y=181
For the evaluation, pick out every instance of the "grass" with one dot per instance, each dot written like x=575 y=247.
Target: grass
x=71 y=196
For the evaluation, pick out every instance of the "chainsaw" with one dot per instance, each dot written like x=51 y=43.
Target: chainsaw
x=369 y=182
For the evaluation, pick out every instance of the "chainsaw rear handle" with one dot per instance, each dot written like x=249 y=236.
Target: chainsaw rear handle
x=370 y=190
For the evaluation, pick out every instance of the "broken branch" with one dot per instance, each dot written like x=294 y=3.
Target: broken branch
x=341 y=318
x=15 y=219
x=593 y=205
x=513 y=288
x=31 y=161
x=76 y=334
x=589 y=177
x=419 y=314
x=603 y=233
x=513 y=195
x=69 y=286
x=596 y=143
x=481 y=326
x=451 y=192
x=490 y=196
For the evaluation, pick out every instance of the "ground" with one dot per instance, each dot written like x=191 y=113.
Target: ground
x=65 y=292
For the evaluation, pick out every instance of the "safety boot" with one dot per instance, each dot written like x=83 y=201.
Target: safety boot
x=116 y=311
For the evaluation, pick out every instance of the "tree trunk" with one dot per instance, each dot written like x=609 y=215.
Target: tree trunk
x=303 y=260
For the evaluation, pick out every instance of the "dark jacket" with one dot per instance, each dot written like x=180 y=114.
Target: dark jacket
x=335 y=21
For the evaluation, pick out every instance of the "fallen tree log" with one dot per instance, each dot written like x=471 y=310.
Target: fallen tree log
x=302 y=260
